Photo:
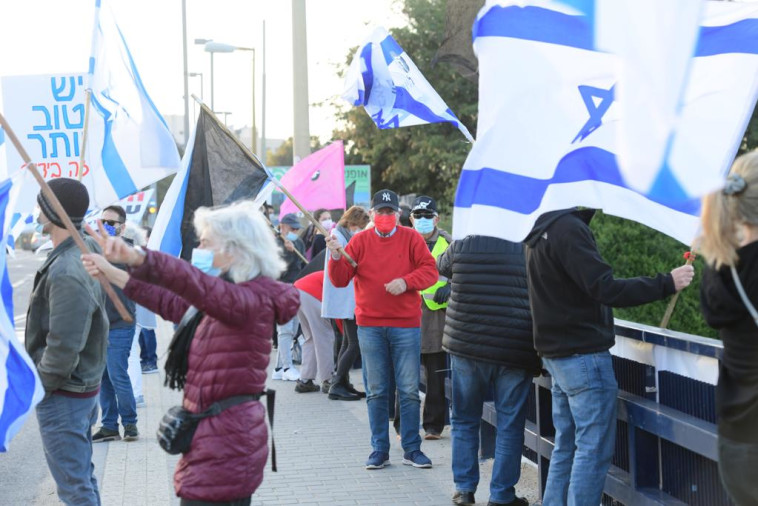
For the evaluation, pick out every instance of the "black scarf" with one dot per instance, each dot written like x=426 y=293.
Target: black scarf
x=178 y=350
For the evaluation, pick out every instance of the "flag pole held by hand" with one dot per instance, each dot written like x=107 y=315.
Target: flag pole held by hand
x=690 y=257
x=58 y=208
x=312 y=219
x=279 y=235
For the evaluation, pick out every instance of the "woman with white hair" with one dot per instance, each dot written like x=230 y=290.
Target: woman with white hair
x=231 y=283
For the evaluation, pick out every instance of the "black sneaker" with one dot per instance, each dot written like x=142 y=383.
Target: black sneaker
x=130 y=432
x=304 y=387
x=518 y=501
x=104 y=435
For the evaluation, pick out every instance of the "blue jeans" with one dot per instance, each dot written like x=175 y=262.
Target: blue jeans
x=584 y=415
x=116 y=394
x=472 y=380
x=286 y=335
x=384 y=350
x=148 y=346
x=65 y=426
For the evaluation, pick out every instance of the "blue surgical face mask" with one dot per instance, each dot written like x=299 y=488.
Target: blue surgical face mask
x=203 y=260
x=110 y=229
x=423 y=225
x=291 y=236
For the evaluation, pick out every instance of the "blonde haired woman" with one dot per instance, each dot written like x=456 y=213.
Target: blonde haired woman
x=729 y=295
x=232 y=284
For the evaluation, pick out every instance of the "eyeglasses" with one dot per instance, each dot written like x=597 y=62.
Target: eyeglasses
x=112 y=223
x=423 y=215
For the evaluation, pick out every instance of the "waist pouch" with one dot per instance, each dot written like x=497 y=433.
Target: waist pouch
x=178 y=425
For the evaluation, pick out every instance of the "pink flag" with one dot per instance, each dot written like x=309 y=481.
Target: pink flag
x=317 y=180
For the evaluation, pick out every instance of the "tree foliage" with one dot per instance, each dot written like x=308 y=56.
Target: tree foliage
x=282 y=156
x=426 y=158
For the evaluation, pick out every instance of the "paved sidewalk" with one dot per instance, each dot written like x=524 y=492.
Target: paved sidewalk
x=321 y=448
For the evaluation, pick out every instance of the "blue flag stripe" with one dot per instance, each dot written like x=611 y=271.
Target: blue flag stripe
x=528 y=23
x=18 y=396
x=138 y=81
x=171 y=242
x=524 y=194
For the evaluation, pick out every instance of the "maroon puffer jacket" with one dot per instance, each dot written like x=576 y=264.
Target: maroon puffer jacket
x=228 y=356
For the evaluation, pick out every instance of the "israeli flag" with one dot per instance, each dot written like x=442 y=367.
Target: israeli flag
x=20 y=386
x=130 y=145
x=549 y=120
x=384 y=80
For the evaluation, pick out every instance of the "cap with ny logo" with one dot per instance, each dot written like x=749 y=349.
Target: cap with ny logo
x=385 y=198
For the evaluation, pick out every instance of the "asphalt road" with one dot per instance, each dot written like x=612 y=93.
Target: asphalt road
x=24 y=477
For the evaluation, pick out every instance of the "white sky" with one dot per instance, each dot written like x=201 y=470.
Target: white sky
x=54 y=36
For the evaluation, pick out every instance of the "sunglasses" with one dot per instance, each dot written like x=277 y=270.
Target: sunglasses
x=112 y=223
x=423 y=215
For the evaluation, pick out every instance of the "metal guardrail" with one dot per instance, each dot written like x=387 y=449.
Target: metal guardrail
x=666 y=441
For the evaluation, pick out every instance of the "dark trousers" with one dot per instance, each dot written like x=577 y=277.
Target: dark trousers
x=435 y=404
x=737 y=464
x=349 y=351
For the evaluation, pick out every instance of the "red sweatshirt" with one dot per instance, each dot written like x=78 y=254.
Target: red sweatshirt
x=380 y=260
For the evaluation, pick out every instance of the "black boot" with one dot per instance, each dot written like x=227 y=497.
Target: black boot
x=352 y=390
x=339 y=392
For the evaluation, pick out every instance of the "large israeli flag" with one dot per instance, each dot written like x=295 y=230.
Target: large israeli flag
x=134 y=148
x=384 y=80
x=548 y=127
x=20 y=387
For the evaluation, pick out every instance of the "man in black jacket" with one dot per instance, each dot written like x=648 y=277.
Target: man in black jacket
x=488 y=334
x=572 y=291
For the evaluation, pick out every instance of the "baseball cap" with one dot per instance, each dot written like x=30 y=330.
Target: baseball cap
x=385 y=198
x=291 y=220
x=424 y=203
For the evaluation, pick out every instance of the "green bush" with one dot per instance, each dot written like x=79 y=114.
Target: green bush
x=636 y=250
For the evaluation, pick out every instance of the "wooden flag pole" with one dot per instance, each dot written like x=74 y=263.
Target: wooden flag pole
x=279 y=235
x=274 y=180
x=80 y=172
x=672 y=303
x=58 y=208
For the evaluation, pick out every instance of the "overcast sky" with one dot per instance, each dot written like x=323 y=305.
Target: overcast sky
x=54 y=36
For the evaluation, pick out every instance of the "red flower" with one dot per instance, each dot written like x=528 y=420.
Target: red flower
x=689 y=256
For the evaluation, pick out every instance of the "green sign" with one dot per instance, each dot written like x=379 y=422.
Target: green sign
x=357 y=185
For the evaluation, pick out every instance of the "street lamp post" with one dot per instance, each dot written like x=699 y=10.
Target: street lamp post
x=218 y=47
x=203 y=42
x=200 y=75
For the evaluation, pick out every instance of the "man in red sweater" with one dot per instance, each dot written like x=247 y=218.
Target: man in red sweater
x=394 y=264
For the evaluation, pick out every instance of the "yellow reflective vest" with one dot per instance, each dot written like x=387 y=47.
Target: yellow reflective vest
x=428 y=295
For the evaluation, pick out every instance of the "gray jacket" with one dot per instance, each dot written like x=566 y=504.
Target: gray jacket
x=66 y=323
x=337 y=302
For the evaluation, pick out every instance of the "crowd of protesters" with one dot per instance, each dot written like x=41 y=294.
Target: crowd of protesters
x=401 y=301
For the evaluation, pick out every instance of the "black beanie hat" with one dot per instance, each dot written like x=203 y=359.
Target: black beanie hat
x=73 y=197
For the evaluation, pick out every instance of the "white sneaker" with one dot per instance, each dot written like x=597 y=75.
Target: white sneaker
x=276 y=375
x=291 y=374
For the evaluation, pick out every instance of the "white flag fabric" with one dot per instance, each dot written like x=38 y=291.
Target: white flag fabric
x=655 y=56
x=20 y=386
x=384 y=80
x=547 y=136
x=134 y=148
